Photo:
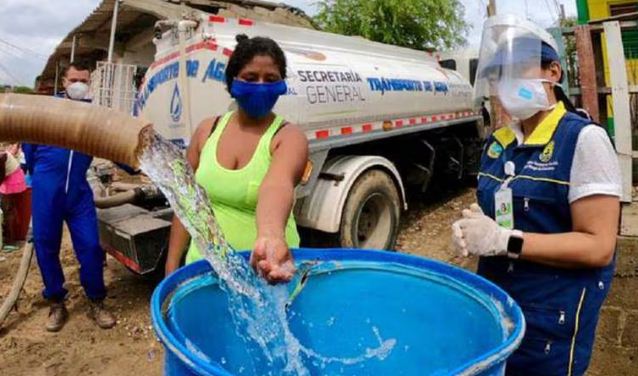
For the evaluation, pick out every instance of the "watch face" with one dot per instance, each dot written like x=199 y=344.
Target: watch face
x=515 y=244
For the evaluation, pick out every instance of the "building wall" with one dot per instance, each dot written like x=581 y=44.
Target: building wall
x=601 y=9
x=598 y=9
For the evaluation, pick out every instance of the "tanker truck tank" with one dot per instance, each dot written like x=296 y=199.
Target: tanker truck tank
x=334 y=81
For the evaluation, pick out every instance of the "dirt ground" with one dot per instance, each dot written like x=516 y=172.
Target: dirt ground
x=131 y=348
x=81 y=348
x=425 y=227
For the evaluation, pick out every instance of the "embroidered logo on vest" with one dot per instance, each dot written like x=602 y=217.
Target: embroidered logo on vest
x=547 y=153
x=495 y=150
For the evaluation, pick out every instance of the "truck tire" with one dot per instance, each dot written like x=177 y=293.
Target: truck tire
x=472 y=161
x=370 y=217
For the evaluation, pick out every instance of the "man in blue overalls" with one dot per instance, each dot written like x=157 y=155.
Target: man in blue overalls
x=61 y=193
x=548 y=202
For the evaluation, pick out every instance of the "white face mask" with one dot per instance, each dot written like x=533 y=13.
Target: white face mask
x=77 y=90
x=522 y=98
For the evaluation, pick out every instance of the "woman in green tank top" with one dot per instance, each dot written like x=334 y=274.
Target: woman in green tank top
x=249 y=162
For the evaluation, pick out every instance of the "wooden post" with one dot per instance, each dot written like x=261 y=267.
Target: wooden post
x=491 y=8
x=587 y=71
x=620 y=98
x=72 y=59
x=57 y=78
x=116 y=6
x=499 y=118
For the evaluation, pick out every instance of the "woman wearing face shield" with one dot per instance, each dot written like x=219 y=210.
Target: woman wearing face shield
x=548 y=202
x=249 y=161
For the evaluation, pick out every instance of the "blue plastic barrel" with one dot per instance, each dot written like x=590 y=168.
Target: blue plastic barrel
x=445 y=320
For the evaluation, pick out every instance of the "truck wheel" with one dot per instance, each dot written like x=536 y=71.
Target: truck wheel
x=370 y=218
x=473 y=151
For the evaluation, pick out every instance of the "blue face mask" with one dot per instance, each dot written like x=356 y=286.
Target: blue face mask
x=257 y=99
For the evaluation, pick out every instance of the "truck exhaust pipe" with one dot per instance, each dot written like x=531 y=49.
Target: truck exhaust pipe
x=80 y=126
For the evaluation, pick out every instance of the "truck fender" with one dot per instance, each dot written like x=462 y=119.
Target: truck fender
x=321 y=210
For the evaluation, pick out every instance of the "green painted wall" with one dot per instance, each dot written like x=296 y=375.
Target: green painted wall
x=583 y=11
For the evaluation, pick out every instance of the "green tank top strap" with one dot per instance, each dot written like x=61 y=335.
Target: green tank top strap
x=270 y=133
x=220 y=125
x=222 y=121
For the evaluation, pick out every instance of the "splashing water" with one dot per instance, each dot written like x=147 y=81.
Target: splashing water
x=258 y=310
x=251 y=304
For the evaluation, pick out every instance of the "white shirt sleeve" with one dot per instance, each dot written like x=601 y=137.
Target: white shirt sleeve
x=595 y=169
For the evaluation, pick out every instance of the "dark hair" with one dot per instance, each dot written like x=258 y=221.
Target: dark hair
x=558 y=91
x=79 y=66
x=247 y=49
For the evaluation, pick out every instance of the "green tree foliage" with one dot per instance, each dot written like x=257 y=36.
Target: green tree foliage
x=23 y=90
x=570 y=52
x=417 y=24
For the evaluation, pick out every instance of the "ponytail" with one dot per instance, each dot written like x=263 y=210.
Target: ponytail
x=569 y=106
x=558 y=90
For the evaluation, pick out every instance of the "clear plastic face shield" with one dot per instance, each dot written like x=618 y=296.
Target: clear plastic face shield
x=509 y=71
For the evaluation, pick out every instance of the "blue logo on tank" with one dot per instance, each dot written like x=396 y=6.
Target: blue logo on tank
x=176 y=105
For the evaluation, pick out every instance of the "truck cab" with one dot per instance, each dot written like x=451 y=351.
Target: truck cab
x=464 y=61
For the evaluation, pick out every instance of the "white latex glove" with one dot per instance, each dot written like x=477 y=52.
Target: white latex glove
x=478 y=234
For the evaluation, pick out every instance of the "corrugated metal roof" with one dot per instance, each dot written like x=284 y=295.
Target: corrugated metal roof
x=92 y=35
x=101 y=15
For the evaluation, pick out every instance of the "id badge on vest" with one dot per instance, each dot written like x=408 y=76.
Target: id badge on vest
x=503 y=208
x=503 y=202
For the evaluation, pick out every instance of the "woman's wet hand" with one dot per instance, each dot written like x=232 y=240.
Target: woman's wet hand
x=271 y=259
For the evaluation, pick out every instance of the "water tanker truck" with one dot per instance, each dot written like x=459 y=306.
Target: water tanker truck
x=383 y=122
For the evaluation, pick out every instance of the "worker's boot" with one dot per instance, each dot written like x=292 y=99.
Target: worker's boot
x=57 y=317
x=98 y=313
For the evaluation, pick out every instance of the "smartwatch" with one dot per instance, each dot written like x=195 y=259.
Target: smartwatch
x=515 y=244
